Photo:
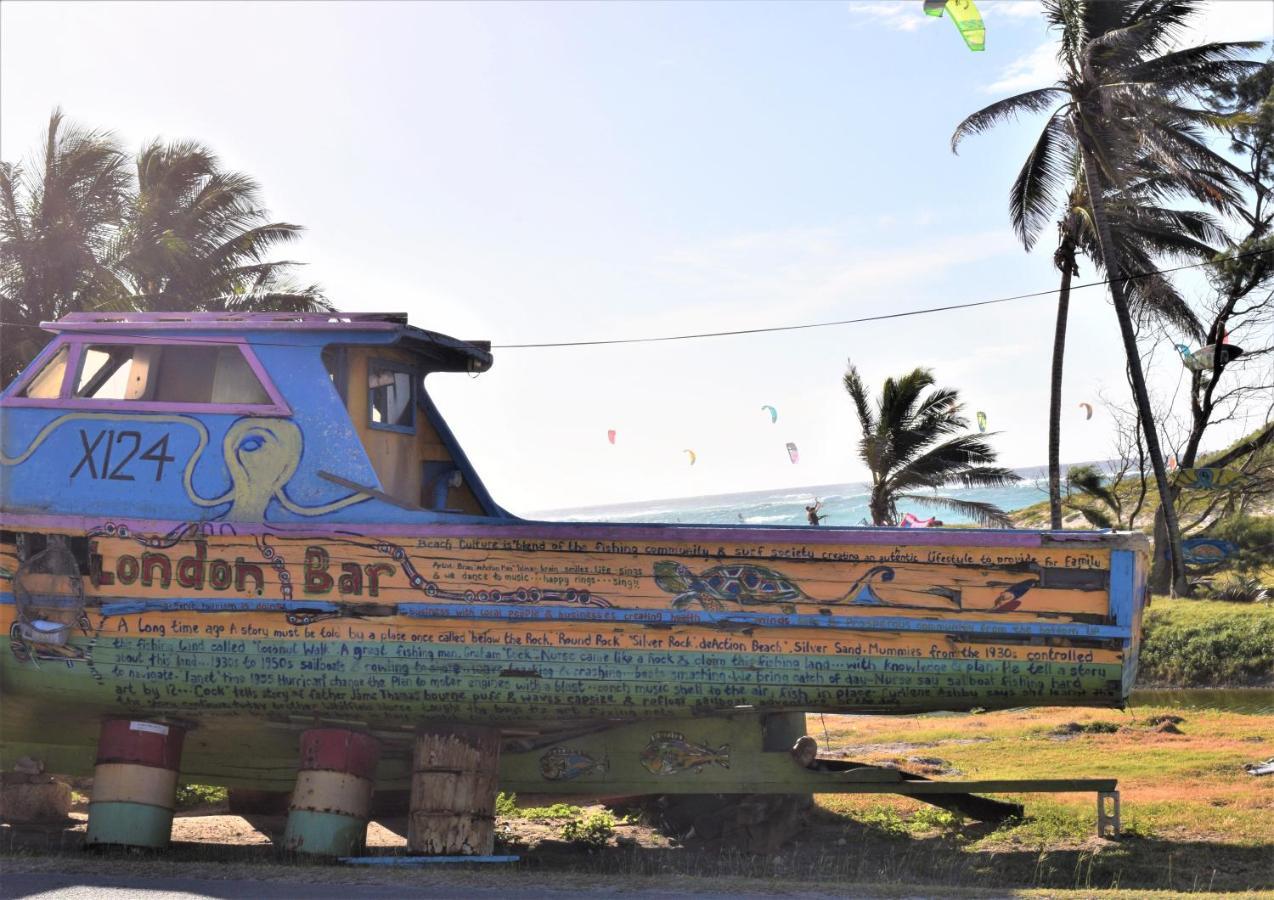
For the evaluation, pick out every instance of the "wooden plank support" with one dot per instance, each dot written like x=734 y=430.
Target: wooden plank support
x=134 y=784
x=332 y=799
x=455 y=772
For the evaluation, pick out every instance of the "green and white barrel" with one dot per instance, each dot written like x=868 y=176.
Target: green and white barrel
x=134 y=784
x=332 y=800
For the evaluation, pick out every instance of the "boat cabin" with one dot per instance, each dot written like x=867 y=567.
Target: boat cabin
x=279 y=417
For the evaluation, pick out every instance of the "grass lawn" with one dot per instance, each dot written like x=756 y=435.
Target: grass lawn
x=1193 y=819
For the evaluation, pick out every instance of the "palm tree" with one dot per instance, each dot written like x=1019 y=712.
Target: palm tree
x=85 y=233
x=55 y=224
x=1119 y=113
x=912 y=441
x=196 y=238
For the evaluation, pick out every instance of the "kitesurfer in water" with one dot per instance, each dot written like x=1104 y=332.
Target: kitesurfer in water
x=812 y=512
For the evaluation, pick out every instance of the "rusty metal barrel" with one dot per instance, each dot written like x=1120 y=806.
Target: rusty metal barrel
x=455 y=772
x=332 y=800
x=134 y=784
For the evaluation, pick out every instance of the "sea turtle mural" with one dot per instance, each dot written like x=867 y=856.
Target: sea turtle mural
x=752 y=585
x=749 y=585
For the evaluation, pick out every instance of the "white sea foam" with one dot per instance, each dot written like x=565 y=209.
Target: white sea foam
x=842 y=504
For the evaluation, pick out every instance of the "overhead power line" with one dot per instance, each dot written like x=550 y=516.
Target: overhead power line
x=861 y=319
x=777 y=328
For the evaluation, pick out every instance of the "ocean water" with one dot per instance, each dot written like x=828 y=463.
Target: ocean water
x=843 y=504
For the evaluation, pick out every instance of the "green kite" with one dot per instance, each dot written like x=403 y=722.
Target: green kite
x=966 y=17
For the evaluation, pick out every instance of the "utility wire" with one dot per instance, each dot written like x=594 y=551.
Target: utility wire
x=861 y=319
x=742 y=331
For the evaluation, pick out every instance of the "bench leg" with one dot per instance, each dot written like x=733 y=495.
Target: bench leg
x=1108 y=814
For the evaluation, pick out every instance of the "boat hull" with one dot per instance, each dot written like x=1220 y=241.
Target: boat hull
x=547 y=627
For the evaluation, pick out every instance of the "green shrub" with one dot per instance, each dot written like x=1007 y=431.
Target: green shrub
x=933 y=818
x=1203 y=643
x=190 y=796
x=594 y=830
x=1236 y=587
x=556 y=811
x=506 y=805
x=1253 y=535
x=885 y=818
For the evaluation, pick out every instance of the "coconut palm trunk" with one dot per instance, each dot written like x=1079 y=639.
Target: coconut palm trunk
x=1142 y=397
x=1066 y=261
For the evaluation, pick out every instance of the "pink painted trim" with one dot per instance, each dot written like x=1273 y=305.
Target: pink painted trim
x=94 y=322
x=594 y=531
x=72 y=366
x=277 y=407
x=34 y=368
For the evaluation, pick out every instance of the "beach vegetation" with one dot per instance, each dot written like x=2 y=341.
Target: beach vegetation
x=592 y=831
x=915 y=441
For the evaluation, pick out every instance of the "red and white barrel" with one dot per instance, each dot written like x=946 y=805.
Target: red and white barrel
x=135 y=783
x=332 y=800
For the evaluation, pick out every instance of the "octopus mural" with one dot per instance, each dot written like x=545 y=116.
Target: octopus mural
x=261 y=456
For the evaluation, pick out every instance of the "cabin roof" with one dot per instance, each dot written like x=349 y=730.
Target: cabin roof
x=391 y=327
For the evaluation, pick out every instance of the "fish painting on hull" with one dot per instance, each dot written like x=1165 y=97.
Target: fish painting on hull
x=669 y=753
x=563 y=764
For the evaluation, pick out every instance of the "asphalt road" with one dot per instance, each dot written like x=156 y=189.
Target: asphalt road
x=66 y=886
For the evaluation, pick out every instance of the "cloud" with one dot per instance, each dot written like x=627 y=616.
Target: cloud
x=1010 y=9
x=898 y=16
x=1232 y=20
x=783 y=277
x=1036 y=69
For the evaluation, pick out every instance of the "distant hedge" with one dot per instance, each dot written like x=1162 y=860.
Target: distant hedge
x=1201 y=643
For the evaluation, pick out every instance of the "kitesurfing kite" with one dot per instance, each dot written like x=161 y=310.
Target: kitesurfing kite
x=793 y=453
x=911 y=520
x=981 y=421
x=965 y=17
x=1088 y=410
x=610 y=435
x=774 y=414
x=1203 y=359
x=692 y=456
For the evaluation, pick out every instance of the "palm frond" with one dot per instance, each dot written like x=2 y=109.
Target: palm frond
x=1094 y=516
x=1009 y=108
x=985 y=514
x=1033 y=197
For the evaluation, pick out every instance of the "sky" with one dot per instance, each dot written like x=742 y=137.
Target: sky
x=532 y=172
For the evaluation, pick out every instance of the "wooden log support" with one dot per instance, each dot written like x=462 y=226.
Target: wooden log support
x=455 y=772
x=332 y=800
x=134 y=784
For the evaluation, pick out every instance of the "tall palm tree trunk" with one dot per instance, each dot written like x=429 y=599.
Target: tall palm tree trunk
x=1066 y=259
x=1140 y=394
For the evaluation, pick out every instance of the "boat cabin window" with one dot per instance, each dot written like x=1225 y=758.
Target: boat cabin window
x=173 y=374
x=47 y=384
x=382 y=389
x=391 y=397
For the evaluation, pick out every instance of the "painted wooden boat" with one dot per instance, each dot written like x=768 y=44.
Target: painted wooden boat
x=252 y=524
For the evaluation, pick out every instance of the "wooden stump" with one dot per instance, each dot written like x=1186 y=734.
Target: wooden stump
x=455 y=770
x=30 y=799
